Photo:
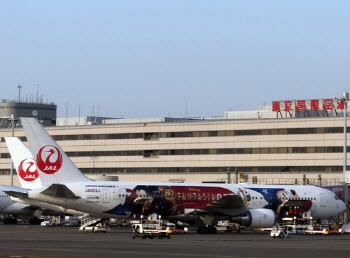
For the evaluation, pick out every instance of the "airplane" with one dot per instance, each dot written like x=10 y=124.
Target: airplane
x=15 y=209
x=29 y=177
x=196 y=203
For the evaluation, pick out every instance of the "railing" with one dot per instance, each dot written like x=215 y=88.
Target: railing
x=289 y=181
x=300 y=181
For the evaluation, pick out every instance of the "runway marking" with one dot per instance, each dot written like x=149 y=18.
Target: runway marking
x=125 y=252
x=238 y=243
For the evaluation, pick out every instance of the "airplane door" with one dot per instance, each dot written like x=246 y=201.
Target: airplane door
x=322 y=200
x=106 y=195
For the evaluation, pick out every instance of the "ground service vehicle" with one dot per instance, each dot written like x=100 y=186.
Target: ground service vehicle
x=150 y=230
x=100 y=227
x=175 y=229
x=281 y=232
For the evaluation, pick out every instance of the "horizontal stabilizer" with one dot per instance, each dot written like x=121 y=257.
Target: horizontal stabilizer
x=60 y=191
x=17 y=194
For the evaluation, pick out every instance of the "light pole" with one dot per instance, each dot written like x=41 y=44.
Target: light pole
x=345 y=98
x=12 y=119
x=228 y=176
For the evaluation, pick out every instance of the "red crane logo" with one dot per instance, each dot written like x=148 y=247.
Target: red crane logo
x=49 y=159
x=27 y=170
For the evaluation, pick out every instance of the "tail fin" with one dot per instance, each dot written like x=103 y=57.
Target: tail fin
x=23 y=162
x=54 y=166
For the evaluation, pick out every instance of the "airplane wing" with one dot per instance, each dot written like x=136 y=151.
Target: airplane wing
x=229 y=205
x=14 y=191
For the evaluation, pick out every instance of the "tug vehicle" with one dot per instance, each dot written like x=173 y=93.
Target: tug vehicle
x=150 y=230
x=281 y=232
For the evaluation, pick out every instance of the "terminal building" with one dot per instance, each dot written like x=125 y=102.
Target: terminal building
x=269 y=145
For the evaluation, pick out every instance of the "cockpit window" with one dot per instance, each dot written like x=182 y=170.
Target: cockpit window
x=336 y=197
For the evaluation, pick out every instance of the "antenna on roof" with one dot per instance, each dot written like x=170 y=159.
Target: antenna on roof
x=66 y=112
x=37 y=93
x=98 y=110
x=19 y=92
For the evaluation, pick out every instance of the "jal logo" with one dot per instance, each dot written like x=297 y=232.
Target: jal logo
x=49 y=159
x=27 y=170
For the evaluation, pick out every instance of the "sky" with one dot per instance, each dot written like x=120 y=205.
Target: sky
x=178 y=58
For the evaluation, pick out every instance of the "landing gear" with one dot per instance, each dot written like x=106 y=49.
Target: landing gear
x=10 y=220
x=35 y=221
x=206 y=229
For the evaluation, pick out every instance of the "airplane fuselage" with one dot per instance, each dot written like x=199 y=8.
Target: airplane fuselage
x=118 y=199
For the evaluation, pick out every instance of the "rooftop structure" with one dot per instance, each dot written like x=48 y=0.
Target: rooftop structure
x=44 y=112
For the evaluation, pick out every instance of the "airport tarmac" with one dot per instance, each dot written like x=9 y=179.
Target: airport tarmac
x=36 y=241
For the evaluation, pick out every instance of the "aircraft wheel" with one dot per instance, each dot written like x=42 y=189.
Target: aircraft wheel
x=212 y=230
x=200 y=230
x=205 y=230
x=238 y=229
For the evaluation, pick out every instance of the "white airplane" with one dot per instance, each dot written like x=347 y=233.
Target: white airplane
x=29 y=177
x=20 y=209
x=200 y=204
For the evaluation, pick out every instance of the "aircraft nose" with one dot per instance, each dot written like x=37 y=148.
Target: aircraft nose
x=341 y=206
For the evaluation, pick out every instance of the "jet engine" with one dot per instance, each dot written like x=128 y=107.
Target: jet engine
x=256 y=218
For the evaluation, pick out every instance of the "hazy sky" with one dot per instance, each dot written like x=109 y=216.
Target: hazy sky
x=150 y=58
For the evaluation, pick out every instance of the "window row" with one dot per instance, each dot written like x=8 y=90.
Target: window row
x=184 y=170
x=222 y=133
x=226 y=151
